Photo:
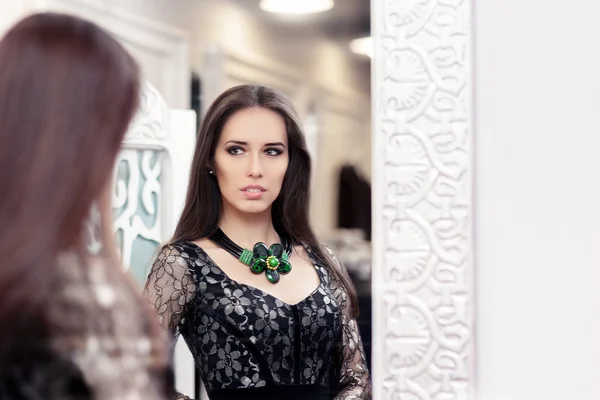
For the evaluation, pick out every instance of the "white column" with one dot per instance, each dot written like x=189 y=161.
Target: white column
x=422 y=200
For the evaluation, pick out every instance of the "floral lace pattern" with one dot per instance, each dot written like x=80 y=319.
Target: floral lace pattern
x=242 y=337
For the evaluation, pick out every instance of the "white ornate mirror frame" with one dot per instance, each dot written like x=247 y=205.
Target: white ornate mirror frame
x=422 y=180
x=423 y=293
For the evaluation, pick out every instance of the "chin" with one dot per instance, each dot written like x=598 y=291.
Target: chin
x=254 y=207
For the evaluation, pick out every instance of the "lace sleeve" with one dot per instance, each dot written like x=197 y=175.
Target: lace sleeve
x=169 y=287
x=350 y=361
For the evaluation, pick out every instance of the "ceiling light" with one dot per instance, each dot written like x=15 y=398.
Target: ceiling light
x=296 y=6
x=363 y=46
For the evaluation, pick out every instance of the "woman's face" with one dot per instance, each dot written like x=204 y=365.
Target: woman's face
x=251 y=159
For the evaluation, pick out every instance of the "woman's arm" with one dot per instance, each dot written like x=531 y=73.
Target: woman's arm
x=350 y=361
x=169 y=288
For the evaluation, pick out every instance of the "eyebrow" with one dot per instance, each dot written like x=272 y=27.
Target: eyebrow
x=246 y=143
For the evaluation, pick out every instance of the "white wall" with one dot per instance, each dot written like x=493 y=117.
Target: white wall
x=10 y=11
x=538 y=199
x=219 y=22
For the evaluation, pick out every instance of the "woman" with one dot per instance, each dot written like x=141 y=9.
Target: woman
x=72 y=326
x=266 y=312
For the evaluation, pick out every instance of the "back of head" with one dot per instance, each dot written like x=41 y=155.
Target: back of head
x=68 y=91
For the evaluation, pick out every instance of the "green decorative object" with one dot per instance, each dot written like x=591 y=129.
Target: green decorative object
x=272 y=276
x=273 y=261
x=285 y=267
x=246 y=257
x=258 y=266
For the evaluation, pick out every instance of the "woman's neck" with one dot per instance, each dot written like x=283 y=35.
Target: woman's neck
x=247 y=229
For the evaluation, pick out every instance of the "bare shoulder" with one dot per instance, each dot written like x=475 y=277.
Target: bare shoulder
x=300 y=250
x=310 y=254
x=214 y=251
x=205 y=243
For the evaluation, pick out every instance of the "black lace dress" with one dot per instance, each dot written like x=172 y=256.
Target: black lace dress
x=251 y=345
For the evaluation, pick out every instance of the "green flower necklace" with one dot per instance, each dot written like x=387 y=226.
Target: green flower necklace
x=274 y=261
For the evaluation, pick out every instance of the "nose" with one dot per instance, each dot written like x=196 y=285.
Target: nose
x=254 y=166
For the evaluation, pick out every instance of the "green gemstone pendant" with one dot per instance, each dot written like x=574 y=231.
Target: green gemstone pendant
x=284 y=267
x=273 y=261
x=272 y=276
x=258 y=266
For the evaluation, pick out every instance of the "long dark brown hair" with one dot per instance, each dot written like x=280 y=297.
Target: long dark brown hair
x=290 y=211
x=68 y=91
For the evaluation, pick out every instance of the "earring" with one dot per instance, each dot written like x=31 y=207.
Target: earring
x=210 y=171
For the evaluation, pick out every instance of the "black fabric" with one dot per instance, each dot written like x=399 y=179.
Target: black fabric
x=244 y=338
x=274 y=392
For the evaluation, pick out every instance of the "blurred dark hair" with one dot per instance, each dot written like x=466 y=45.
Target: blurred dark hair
x=68 y=91
x=290 y=211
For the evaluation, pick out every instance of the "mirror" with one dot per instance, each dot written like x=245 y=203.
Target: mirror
x=414 y=268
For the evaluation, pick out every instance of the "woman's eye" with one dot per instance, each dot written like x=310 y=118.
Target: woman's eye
x=273 y=152
x=235 y=150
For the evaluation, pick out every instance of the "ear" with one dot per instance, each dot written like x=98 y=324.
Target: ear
x=210 y=170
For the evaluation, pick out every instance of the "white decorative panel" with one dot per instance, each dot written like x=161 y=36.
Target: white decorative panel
x=423 y=291
x=136 y=204
x=150 y=181
x=138 y=198
x=150 y=185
